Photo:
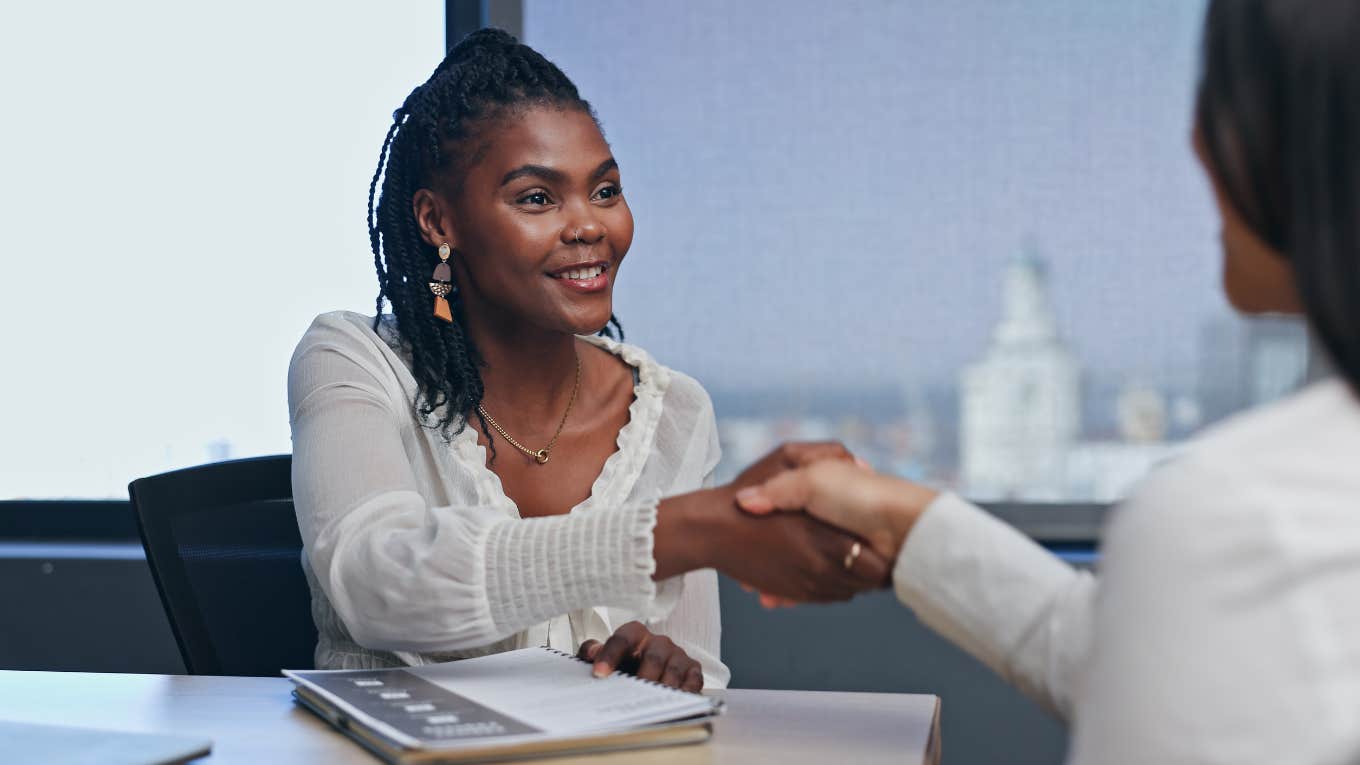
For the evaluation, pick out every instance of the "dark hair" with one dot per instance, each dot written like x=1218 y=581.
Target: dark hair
x=1278 y=112
x=484 y=78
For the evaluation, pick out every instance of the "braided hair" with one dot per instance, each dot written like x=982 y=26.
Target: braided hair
x=486 y=76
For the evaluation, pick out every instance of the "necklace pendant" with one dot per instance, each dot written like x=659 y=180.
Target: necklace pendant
x=541 y=456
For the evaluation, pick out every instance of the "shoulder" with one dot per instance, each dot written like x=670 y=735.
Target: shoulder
x=342 y=346
x=341 y=329
x=1322 y=417
x=1264 y=485
x=676 y=391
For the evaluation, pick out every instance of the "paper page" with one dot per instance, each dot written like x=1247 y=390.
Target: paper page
x=505 y=697
x=559 y=695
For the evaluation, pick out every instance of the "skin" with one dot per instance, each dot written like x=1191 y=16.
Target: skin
x=544 y=193
x=883 y=510
x=1257 y=278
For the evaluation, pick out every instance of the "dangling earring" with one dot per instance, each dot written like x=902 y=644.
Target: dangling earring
x=441 y=284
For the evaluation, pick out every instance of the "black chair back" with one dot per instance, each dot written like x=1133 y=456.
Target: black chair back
x=223 y=545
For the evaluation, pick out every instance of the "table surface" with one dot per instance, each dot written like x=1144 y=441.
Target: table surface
x=254 y=719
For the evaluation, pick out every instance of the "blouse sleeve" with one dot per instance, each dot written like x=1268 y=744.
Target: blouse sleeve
x=406 y=575
x=994 y=592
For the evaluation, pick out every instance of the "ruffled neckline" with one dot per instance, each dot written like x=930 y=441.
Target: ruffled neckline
x=631 y=447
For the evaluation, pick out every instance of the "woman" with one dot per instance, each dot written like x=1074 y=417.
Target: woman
x=1223 y=627
x=477 y=471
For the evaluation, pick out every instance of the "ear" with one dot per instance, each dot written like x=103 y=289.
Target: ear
x=434 y=218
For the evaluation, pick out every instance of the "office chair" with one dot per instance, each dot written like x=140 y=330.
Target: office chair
x=224 y=549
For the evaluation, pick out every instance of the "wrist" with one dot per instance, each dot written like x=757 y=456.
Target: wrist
x=689 y=531
x=902 y=506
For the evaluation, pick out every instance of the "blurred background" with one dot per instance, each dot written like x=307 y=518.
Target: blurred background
x=969 y=239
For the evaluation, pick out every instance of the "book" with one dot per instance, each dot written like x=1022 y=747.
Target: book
x=526 y=703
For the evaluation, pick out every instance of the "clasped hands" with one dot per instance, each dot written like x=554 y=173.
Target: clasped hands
x=807 y=523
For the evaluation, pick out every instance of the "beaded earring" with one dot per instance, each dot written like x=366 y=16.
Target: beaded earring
x=441 y=284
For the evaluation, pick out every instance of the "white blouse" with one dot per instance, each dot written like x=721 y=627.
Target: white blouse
x=415 y=554
x=1225 y=624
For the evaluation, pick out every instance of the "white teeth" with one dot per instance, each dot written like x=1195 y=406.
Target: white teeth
x=583 y=273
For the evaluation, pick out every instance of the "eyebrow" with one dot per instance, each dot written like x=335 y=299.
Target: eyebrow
x=555 y=176
x=605 y=166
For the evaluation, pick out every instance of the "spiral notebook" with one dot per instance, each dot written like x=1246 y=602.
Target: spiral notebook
x=526 y=703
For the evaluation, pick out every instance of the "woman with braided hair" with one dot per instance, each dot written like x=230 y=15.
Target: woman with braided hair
x=482 y=467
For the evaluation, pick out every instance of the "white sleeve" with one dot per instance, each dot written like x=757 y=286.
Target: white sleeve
x=406 y=575
x=695 y=625
x=991 y=590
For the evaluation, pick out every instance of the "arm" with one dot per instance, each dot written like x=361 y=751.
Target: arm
x=974 y=579
x=407 y=575
x=995 y=593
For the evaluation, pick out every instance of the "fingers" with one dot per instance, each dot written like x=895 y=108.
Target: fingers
x=871 y=568
x=866 y=570
x=790 y=490
x=654 y=657
x=588 y=650
x=694 y=679
x=678 y=669
x=634 y=649
x=626 y=643
x=801 y=453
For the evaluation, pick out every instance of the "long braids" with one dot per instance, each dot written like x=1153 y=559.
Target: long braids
x=486 y=73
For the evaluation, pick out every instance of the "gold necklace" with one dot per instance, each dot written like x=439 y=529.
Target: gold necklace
x=540 y=456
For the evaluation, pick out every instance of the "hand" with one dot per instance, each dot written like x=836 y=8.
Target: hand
x=881 y=509
x=791 y=455
x=635 y=650
x=785 y=555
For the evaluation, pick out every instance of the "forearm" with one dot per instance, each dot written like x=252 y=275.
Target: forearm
x=998 y=595
x=406 y=577
x=691 y=531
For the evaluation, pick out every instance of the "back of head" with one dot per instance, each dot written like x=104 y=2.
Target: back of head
x=1279 y=114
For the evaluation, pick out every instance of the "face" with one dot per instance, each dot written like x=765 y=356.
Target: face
x=538 y=225
x=1256 y=277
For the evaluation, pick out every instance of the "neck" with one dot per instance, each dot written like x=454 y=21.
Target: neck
x=528 y=373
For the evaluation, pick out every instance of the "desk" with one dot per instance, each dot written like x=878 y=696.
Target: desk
x=253 y=720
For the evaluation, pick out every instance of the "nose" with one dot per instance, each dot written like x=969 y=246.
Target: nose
x=585 y=229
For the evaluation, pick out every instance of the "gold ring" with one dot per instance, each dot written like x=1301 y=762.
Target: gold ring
x=852 y=556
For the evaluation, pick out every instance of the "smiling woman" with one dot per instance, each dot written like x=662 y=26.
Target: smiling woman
x=498 y=235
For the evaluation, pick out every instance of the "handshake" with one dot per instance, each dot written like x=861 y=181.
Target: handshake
x=810 y=522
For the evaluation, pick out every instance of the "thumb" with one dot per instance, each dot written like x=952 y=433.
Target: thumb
x=789 y=490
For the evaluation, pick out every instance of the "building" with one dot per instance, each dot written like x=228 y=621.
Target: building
x=1020 y=410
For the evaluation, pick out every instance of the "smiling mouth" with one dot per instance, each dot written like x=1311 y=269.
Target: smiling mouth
x=583 y=273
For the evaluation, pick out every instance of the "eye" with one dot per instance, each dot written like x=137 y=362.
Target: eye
x=611 y=191
x=535 y=198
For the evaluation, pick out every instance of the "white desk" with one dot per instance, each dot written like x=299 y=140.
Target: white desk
x=253 y=720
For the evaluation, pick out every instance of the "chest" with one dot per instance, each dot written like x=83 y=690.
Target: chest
x=569 y=476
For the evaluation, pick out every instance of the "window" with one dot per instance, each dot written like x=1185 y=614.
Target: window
x=969 y=239
x=185 y=190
